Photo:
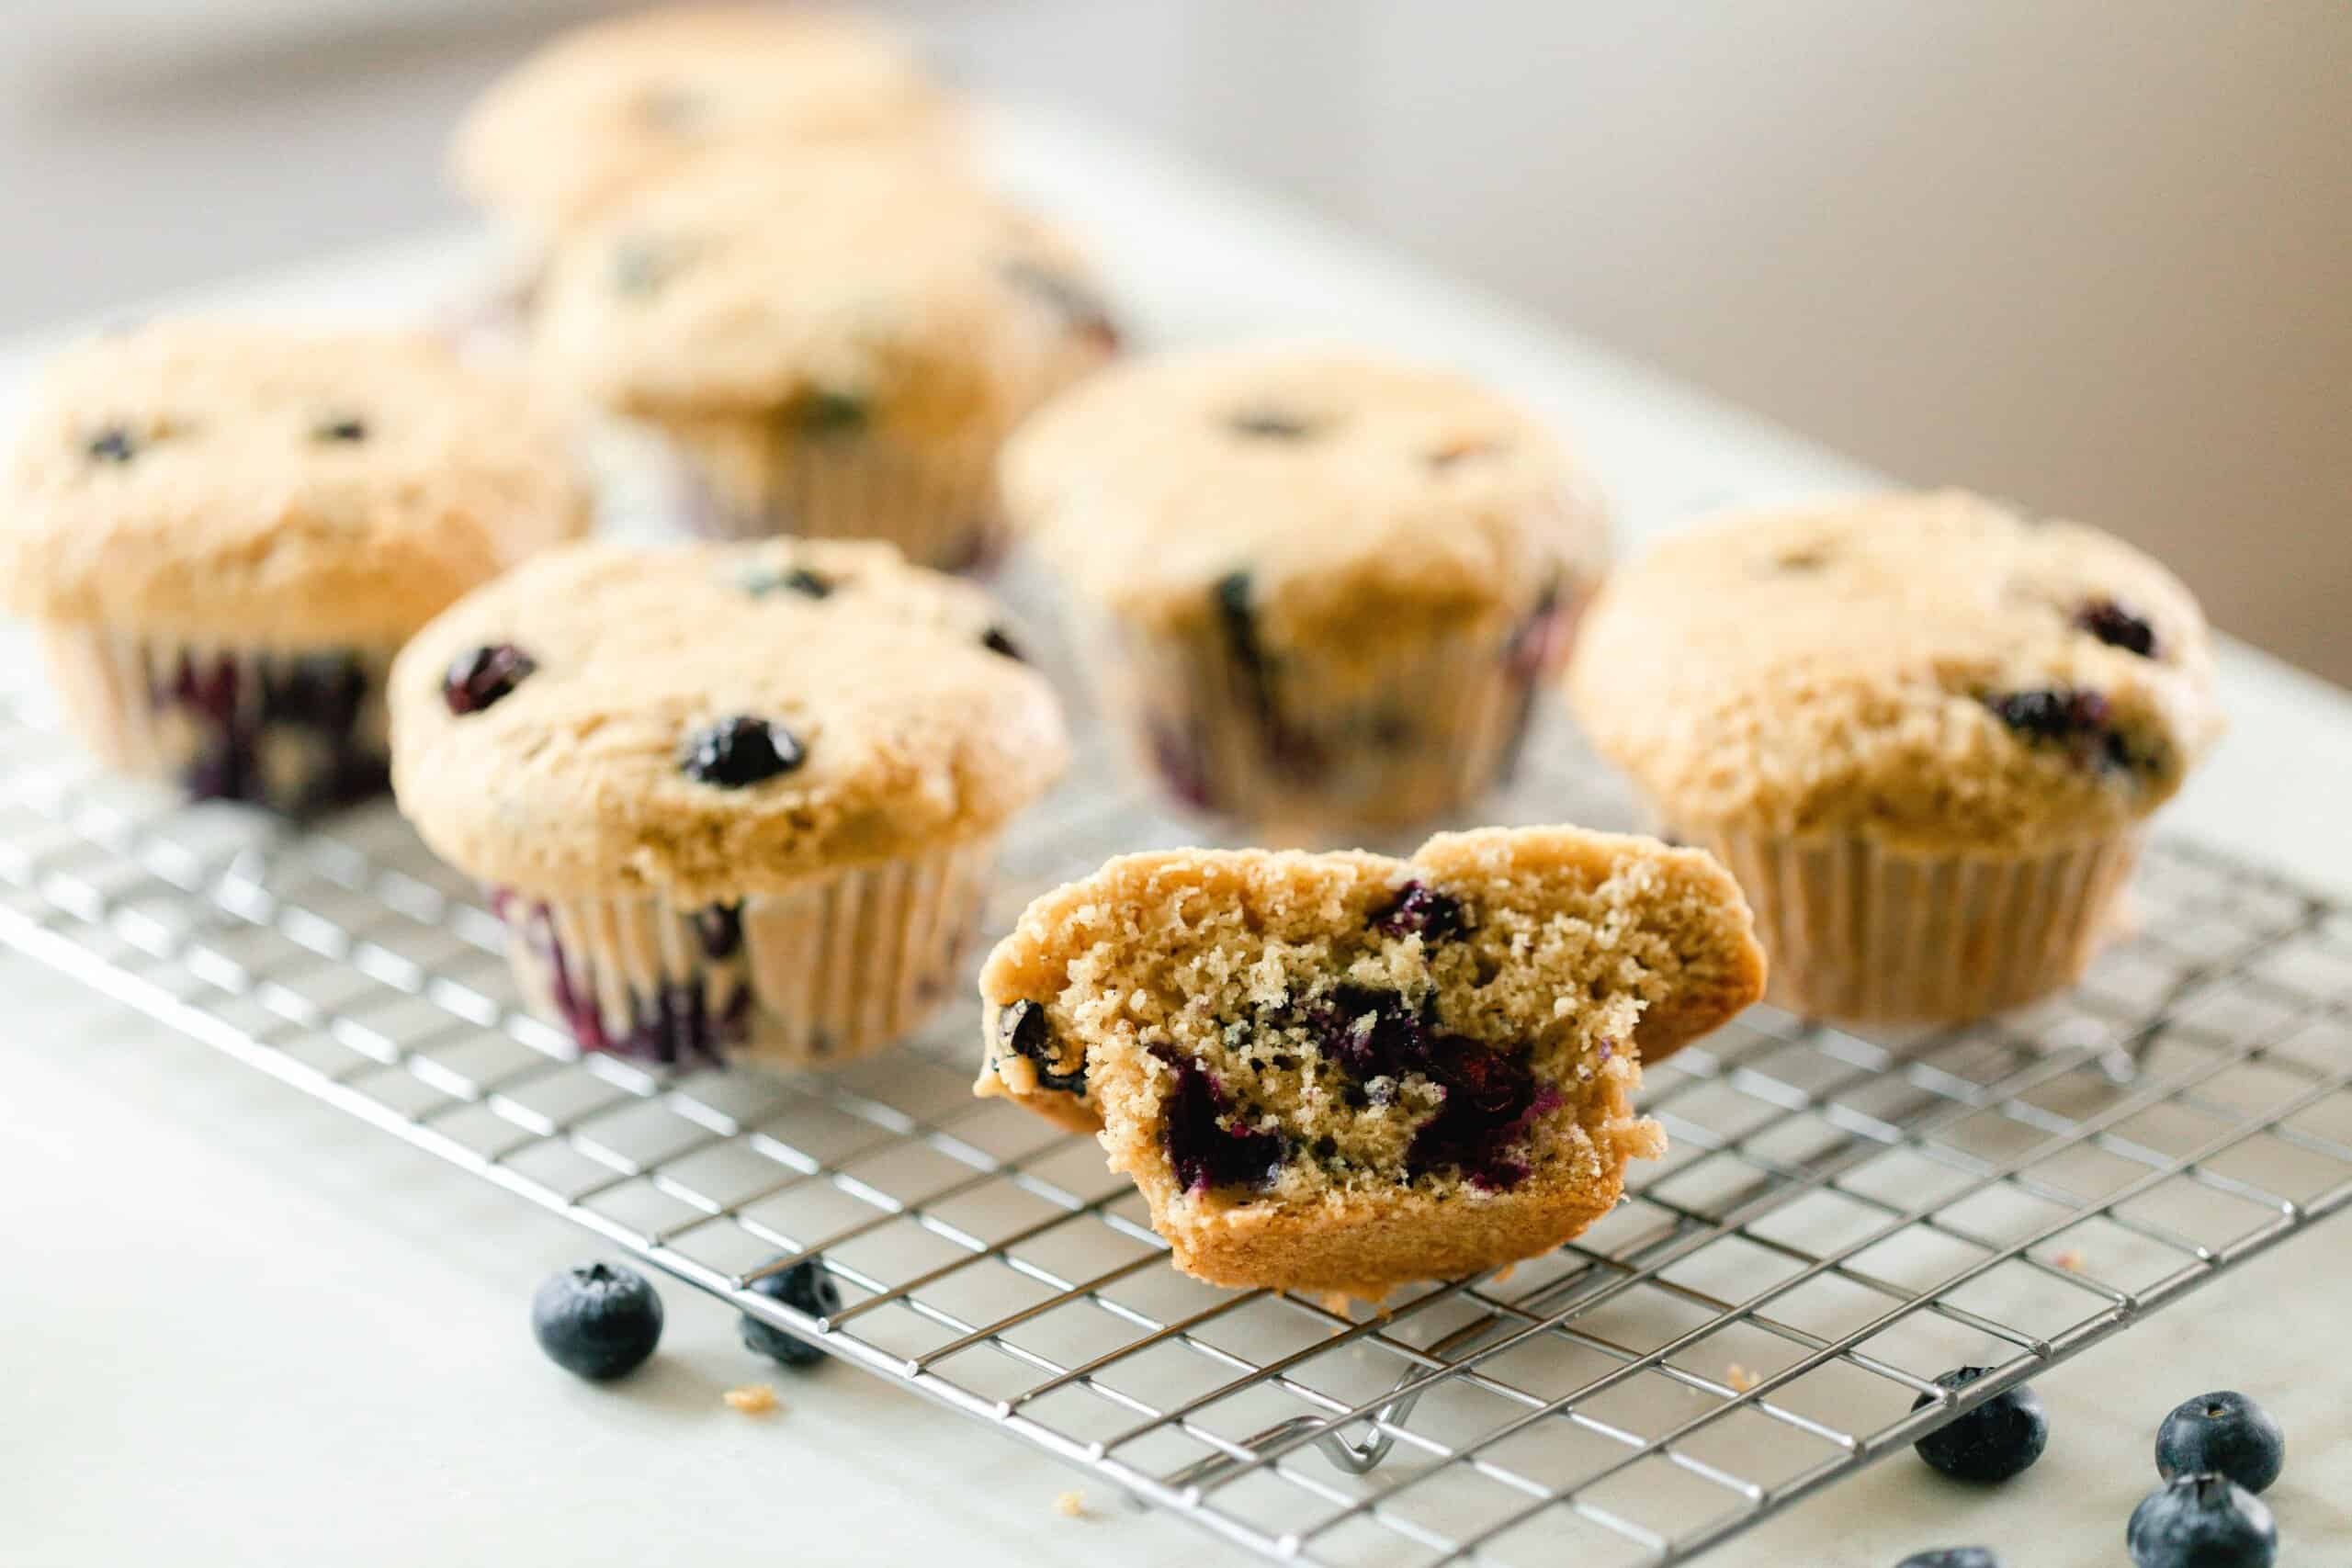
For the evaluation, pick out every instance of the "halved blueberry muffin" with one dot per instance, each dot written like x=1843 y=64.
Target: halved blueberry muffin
x=731 y=801
x=1343 y=1072
x=1925 y=732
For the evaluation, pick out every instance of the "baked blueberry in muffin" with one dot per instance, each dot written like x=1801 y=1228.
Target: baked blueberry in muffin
x=1341 y=1072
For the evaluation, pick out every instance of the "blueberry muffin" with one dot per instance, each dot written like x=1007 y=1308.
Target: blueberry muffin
x=835 y=347
x=1343 y=1072
x=224 y=532
x=1923 y=731
x=622 y=104
x=730 y=799
x=1319 y=591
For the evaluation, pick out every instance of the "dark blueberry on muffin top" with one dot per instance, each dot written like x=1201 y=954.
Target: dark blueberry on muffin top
x=112 y=445
x=737 y=752
x=484 y=676
x=2117 y=627
x=345 y=429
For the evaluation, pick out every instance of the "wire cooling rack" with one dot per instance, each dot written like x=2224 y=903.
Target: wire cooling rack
x=1840 y=1217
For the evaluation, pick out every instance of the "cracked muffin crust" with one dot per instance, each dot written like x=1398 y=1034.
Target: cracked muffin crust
x=1922 y=730
x=1323 y=587
x=1343 y=1072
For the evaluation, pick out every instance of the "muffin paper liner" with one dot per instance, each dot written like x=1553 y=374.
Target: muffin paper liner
x=832 y=969
x=297 y=732
x=1855 y=931
x=936 y=502
x=1302 y=748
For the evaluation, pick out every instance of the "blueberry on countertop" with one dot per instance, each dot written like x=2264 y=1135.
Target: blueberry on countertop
x=2201 y=1521
x=2000 y=1439
x=1951 y=1557
x=737 y=752
x=599 y=1320
x=805 y=1287
x=2224 y=1434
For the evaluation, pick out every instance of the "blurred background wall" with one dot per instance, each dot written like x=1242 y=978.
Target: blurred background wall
x=2095 y=255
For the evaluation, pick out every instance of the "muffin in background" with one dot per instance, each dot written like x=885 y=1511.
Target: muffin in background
x=731 y=801
x=834 y=347
x=223 y=532
x=1924 y=732
x=1319 y=591
x=620 y=105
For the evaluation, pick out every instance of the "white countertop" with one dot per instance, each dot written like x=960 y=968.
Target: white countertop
x=239 y=1326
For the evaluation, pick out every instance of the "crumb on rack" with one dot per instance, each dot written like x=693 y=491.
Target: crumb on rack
x=1740 y=1378
x=1070 y=1505
x=752 y=1399
x=2072 y=1260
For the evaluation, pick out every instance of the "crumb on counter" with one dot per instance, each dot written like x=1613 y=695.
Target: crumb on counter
x=1740 y=1378
x=752 y=1399
x=2072 y=1260
x=1070 y=1505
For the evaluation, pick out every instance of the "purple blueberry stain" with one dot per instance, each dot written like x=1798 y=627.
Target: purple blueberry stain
x=1420 y=909
x=1025 y=1032
x=1294 y=753
x=2117 y=627
x=239 y=705
x=1181 y=764
x=738 y=752
x=719 y=927
x=1206 y=1152
x=484 y=676
x=1489 y=1098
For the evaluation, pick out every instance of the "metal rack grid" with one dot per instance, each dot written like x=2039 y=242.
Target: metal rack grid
x=1840 y=1218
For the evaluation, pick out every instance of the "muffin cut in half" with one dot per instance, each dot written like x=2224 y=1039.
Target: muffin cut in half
x=1343 y=1071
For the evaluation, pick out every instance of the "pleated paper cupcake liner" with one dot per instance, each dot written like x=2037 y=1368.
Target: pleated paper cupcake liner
x=297 y=732
x=1858 y=931
x=1302 y=751
x=832 y=969
x=937 y=501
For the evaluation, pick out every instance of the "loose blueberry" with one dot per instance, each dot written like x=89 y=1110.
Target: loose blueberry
x=1270 y=424
x=829 y=413
x=112 y=445
x=2222 y=1434
x=343 y=430
x=1026 y=1033
x=1204 y=1151
x=2000 y=1439
x=806 y=1288
x=737 y=752
x=997 y=642
x=761 y=582
x=2201 y=1521
x=598 y=1321
x=1952 y=1557
x=485 y=676
x=1420 y=908
x=2117 y=627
